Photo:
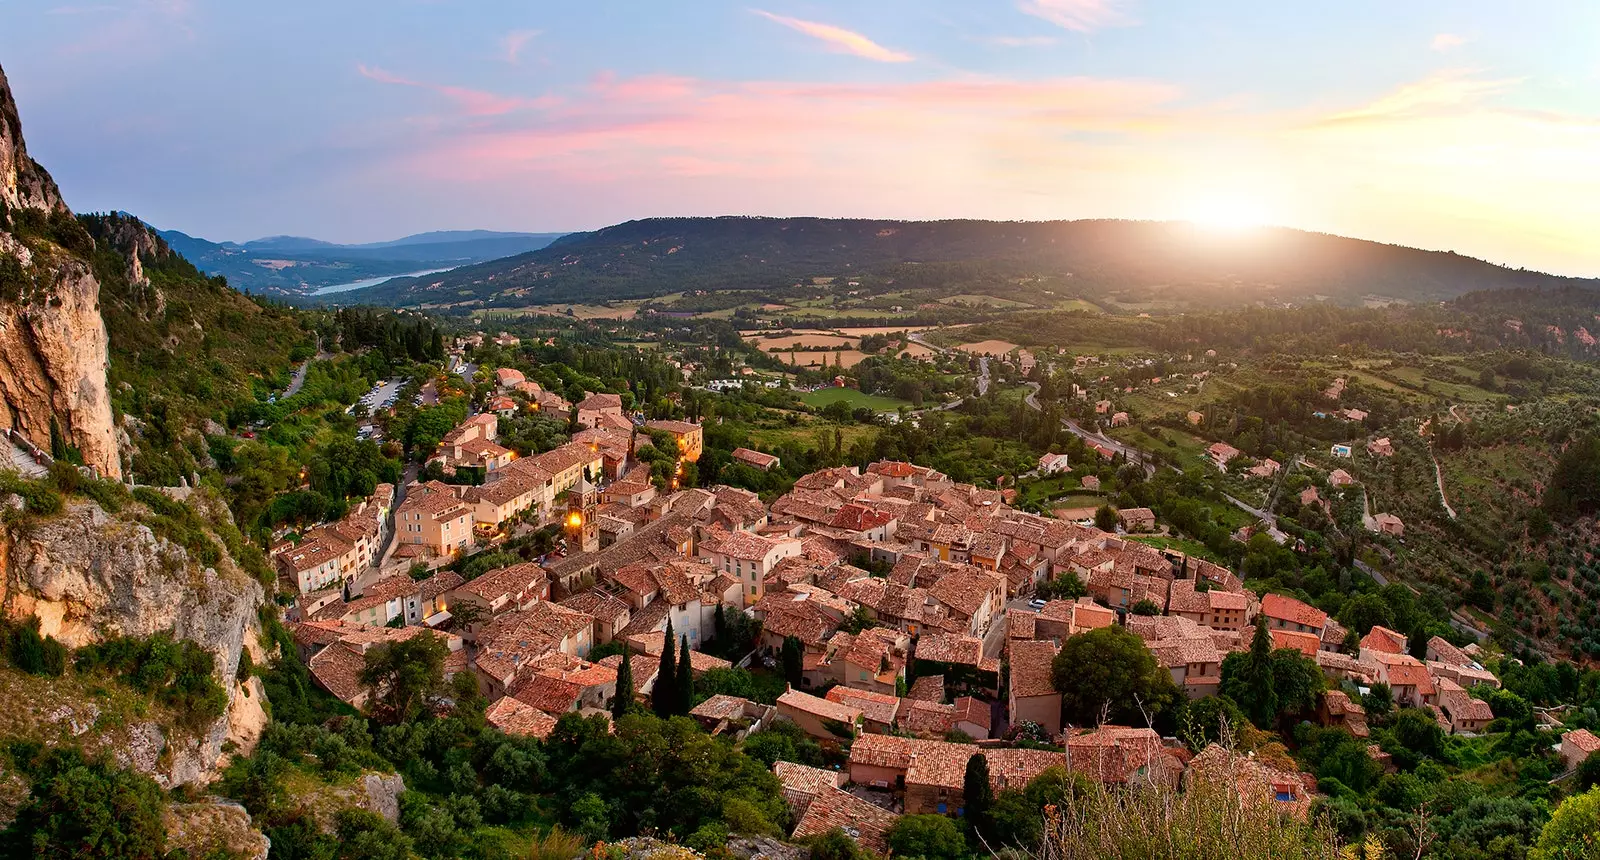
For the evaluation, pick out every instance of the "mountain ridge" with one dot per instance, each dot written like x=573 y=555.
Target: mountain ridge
x=294 y=266
x=653 y=257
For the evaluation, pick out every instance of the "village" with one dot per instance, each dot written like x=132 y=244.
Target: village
x=911 y=598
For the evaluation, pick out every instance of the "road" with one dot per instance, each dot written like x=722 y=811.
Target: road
x=299 y=378
x=916 y=338
x=1438 y=477
x=983 y=376
x=374 y=573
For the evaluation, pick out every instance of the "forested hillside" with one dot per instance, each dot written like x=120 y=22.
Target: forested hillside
x=1138 y=261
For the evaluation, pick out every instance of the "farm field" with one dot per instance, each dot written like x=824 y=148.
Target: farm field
x=978 y=300
x=857 y=399
x=988 y=347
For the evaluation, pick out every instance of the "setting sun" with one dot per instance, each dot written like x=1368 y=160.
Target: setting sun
x=1228 y=214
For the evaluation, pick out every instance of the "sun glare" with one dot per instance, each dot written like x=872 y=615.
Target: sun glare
x=1229 y=214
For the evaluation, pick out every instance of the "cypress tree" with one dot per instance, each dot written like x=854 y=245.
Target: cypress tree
x=685 y=679
x=976 y=794
x=793 y=660
x=664 y=693
x=623 y=700
x=1262 y=700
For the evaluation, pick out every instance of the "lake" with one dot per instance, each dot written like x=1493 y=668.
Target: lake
x=371 y=282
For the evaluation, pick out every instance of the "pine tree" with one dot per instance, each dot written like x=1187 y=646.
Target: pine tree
x=663 y=695
x=623 y=700
x=685 y=679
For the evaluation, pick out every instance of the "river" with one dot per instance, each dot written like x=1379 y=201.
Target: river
x=371 y=282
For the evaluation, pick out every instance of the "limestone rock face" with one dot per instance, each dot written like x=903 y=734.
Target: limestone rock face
x=214 y=827
x=53 y=344
x=88 y=575
x=23 y=183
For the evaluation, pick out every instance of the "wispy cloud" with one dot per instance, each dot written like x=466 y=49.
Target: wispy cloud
x=839 y=39
x=1441 y=93
x=513 y=42
x=1079 y=16
x=1019 y=41
x=1446 y=41
x=478 y=103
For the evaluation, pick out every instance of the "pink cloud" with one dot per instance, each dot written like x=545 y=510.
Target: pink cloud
x=472 y=102
x=1446 y=41
x=1079 y=16
x=839 y=39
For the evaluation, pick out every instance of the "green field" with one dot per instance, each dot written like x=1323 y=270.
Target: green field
x=983 y=301
x=805 y=435
x=825 y=396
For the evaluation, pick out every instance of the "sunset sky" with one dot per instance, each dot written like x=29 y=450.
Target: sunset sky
x=1466 y=125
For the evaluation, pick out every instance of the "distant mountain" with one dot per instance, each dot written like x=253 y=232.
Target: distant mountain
x=296 y=266
x=1122 y=263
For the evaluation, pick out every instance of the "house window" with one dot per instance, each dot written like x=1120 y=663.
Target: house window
x=1285 y=796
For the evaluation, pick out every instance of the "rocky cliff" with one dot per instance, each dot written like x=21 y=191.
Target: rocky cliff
x=53 y=346
x=87 y=575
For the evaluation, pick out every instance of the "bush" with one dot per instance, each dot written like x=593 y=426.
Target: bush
x=81 y=808
x=934 y=837
x=178 y=673
x=30 y=652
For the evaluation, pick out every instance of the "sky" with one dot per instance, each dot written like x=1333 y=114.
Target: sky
x=1465 y=125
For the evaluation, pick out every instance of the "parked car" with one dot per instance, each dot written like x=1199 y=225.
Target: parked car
x=1037 y=603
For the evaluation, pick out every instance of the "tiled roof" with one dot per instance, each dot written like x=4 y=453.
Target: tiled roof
x=1444 y=652
x=1113 y=754
x=928 y=688
x=549 y=694
x=945 y=648
x=1385 y=640
x=338 y=669
x=601 y=401
x=965 y=589
x=1284 y=608
x=824 y=708
x=834 y=808
x=506 y=581
x=1306 y=643
x=756 y=458
x=1583 y=739
x=927 y=718
x=515 y=717
x=875 y=707
x=720 y=707
x=1015 y=768
x=1030 y=668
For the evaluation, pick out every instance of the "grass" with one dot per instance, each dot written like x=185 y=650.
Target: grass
x=1053 y=489
x=805 y=435
x=983 y=301
x=1188 y=546
x=1186 y=450
x=857 y=399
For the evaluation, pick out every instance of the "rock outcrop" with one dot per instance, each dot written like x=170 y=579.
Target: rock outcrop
x=87 y=575
x=53 y=344
x=214 y=828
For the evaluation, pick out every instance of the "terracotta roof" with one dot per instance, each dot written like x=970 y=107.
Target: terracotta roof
x=506 y=581
x=1114 y=754
x=1583 y=739
x=1015 y=768
x=338 y=669
x=928 y=688
x=720 y=707
x=875 y=707
x=601 y=401
x=549 y=694
x=824 y=708
x=927 y=718
x=801 y=779
x=515 y=717
x=755 y=458
x=946 y=648
x=745 y=545
x=1284 y=608
x=1030 y=668
x=1385 y=640
x=862 y=821
x=966 y=589
x=1306 y=643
